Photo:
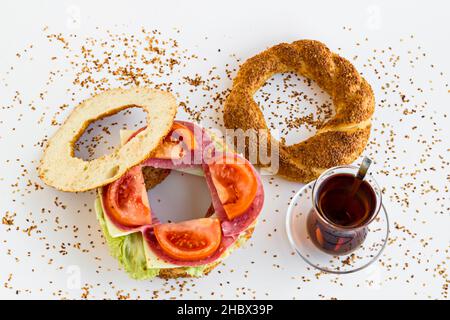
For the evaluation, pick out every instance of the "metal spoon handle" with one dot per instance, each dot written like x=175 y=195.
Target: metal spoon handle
x=365 y=164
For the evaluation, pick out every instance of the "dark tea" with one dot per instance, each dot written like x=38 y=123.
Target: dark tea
x=346 y=203
x=345 y=200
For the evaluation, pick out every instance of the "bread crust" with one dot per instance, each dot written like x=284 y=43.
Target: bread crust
x=340 y=140
x=59 y=167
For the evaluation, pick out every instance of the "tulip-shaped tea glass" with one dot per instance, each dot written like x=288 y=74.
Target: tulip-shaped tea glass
x=337 y=223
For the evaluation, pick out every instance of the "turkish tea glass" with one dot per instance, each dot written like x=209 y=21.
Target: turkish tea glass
x=329 y=236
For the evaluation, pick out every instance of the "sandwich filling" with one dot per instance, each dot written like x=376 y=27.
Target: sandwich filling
x=143 y=245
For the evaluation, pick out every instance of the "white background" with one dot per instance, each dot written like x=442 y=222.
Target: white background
x=65 y=257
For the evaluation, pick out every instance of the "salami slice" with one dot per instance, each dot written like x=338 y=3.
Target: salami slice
x=191 y=158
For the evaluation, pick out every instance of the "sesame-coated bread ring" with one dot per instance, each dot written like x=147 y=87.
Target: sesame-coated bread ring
x=338 y=141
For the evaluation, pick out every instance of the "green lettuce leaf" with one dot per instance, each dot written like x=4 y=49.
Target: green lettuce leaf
x=196 y=271
x=129 y=250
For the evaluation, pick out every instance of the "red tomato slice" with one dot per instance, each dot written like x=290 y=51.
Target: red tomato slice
x=182 y=133
x=189 y=240
x=174 y=144
x=235 y=183
x=126 y=199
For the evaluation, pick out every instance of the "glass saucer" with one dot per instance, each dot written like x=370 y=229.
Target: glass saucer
x=366 y=254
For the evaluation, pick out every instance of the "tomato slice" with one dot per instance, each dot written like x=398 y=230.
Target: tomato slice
x=182 y=133
x=174 y=144
x=126 y=199
x=236 y=184
x=189 y=240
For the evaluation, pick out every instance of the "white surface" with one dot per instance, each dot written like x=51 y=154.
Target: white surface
x=64 y=256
